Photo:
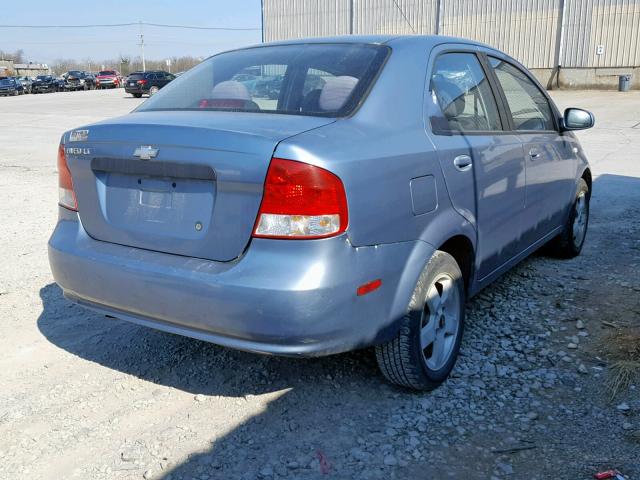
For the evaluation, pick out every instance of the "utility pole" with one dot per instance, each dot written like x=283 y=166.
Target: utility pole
x=438 y=17
x=350 y=17
x=144 y=67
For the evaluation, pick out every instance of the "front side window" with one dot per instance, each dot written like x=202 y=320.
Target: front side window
x=462 y=96
x=301 y=79
x=529 y=107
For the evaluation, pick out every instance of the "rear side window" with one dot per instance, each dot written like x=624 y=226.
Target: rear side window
x=460 y=90
x=306 y=79
x=529 y=107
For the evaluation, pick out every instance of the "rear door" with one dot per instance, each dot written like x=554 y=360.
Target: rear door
x=161 y=79
x=152 y=80
x=481 y=159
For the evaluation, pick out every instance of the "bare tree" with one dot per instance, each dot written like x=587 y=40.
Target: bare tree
x=124 y=64
x=15 y=57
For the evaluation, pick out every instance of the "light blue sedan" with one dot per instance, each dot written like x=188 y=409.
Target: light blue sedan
x=380 y=183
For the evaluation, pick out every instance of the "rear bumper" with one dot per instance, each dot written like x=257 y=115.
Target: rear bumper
x=129 y=89
x=280 y=297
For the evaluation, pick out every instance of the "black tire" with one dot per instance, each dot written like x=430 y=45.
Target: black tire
x=137 y=95
x=569 y=243
x=402 y=360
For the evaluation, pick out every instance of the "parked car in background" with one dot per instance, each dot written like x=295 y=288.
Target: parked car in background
x=79 y=80
x=44 y=84
x=26 y=83
x=139 y=83
x=268 y=86
x=108 y=79
x=9 y=86
x=360 y=210
x=19 y=86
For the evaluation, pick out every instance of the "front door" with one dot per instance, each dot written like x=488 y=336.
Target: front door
x=549 y=159
x=481 y=159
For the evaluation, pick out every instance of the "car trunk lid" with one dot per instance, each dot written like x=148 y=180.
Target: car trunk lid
x=193 y=189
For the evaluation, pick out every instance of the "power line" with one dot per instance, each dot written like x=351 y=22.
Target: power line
x=405 y=17
x=195 y=27
x=131 y=24
x=104 y=25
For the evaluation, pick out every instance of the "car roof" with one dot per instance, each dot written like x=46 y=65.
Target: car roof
x=426 y=41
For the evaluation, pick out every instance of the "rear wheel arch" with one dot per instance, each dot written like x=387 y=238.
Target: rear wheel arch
x=460 y=247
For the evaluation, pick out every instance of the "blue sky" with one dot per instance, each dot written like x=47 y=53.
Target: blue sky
x=102 y=43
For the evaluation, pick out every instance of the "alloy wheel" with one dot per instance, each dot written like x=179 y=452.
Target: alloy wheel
x=580 y=219
x=440 y=322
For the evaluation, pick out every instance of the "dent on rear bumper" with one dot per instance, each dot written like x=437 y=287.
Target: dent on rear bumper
x=280 y=297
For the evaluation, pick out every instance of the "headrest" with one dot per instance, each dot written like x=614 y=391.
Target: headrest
x=335 y=92
x=230 y=90
x=450 y=96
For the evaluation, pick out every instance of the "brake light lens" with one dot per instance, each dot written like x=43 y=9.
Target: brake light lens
x=142 y=82
x=66 y=195
x=301 y=201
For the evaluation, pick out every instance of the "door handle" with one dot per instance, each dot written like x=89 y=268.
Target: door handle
x=462 y=162
x=533 y=153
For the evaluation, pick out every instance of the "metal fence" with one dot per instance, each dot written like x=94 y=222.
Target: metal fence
x=539 y=33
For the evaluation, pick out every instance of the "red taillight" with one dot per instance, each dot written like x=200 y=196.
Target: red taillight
x=142 y=82
x=66 y=195
x=301 y=201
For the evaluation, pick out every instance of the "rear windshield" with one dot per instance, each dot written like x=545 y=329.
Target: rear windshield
x=107 y=72
x=306 y=79
x=44 y=77
x=136 y=76
x=6 y=81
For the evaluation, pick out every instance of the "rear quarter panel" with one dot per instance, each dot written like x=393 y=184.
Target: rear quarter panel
x=378 y=152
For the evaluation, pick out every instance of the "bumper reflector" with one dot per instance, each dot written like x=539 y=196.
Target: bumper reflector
x=369 y=287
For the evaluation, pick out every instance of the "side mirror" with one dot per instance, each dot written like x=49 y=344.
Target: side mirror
x=577 y=119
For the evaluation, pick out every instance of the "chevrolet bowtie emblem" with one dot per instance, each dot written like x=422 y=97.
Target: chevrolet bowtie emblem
x=146 y=152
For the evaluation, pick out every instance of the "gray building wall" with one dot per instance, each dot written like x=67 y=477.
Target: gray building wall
x=542 y=34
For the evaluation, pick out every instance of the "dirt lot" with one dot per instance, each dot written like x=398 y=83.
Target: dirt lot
x=87 y=397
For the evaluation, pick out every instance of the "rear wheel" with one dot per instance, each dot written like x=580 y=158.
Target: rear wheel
x=569 y=243
x=153 y=90
x=425 y=349
x=137 y=95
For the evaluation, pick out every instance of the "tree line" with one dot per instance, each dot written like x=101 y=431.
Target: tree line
x=15 y=57
x=125 y=65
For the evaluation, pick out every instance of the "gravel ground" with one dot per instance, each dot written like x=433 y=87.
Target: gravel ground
x=87 y=397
